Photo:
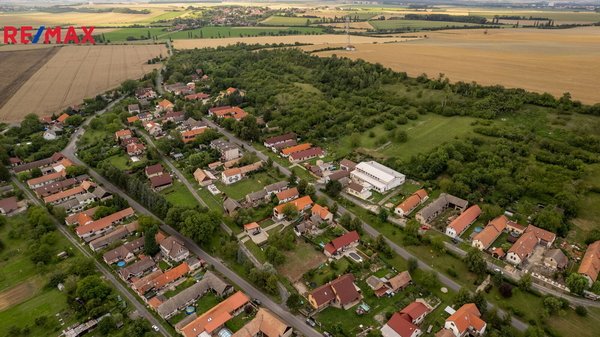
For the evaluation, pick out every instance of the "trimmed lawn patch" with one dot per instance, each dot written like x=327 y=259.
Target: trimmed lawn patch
x=179 y=195
x=247 y=185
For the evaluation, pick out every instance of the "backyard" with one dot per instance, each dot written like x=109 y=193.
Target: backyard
x=179 y=195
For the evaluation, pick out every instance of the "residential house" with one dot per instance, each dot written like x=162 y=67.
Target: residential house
x=62 y=118
x=46 y=179
x=377 y=176
x=135 y=149
x=211 y=321
x=228 y=150
x=300 y=204
x=180 y=88
x=8 y=205
x=120 y=253
x=165 y=105
x=459 y=225
x=235 y=112
x=104 y=224
x=145 y=93
x=231 y=176
x=154 y=170
x=256 y=198
x=174 y=249
x=190 y=135
x=439 y=205
x=209 y=282
x=198 y=97
x=55 y=187
x=590 y=264
x=347 y=165
x=321 y=214
x=277 y=148
x=413 y=201
x=65 y=195
x=339 y=293
x=358 y=191
x=301 y=156
x=297 y=148
x=145 y=117
x=275 y=188
x=159 y=183
x=81 y=218
x=138 y=268
x=174 y=117
x=77 y=204
x=132 y=119
x=272 y=141
x=484 y=239
x=265 y=324
x=545 y=238
x=123 y=134
x=49 y=135
x=190 y=124
x=339 y=175
x=515 y=228
x=171 y=276
x=555 y=259
x=41 y=163
x=288 y=195
x=341 y=244
x=400 y=325
x=465 y=321
x=118 y=234
x=382 y=286
x=522 y=249
x=204 y=177
x=101 y=194
x=153 y=128
x=133 y=109
x=15 y=161
x=255 y=233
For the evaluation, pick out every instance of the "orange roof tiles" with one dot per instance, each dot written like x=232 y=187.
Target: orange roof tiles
x=64 y=194
x=62 y=118
x=300 y=204
x=321 y=211
x=121 y=133
x=465 y=219
x=297 y=148
x=524 y=246
x=412 y=201
x=229 y=112
x=467 y=316
x=171 y=275
x=541 y=234
x=590 y=264
x=232 y=172
x=216 y=316
x=47 y=177
x=491 y=232
x=288 y=193
x=132 y=119
x=190 y=135
x=165 y=104
x=105 y=222
x=251 y=225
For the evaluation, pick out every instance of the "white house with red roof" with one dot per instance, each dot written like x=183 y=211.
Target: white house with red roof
x=341 y=244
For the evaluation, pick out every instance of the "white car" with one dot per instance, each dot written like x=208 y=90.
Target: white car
x=155 y=328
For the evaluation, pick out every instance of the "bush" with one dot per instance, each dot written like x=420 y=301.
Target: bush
x=505 y=290
x=452 y=272
x=581 y=311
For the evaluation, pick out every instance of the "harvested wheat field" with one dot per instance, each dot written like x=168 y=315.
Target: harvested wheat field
x=17 y=66
x=324 y=40
x=553 y=61
x=78 y=72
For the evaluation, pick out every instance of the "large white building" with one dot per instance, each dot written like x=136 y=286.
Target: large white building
x=377 y=176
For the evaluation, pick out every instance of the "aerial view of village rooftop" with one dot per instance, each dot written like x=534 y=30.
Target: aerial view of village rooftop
x=299 y=168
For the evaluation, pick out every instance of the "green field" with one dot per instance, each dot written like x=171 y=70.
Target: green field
x=247 y=185
x=286 y=21
x=206 y=32
x=179 y=195
x=415 y=24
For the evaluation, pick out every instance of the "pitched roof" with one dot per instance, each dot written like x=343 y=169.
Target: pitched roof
x=105 y=222
x=81 y=217
x=400 y=281
x=491 y=232
x=344 y=289
x=415 y=310
x=251 y=225
x=465 y=219
x=288 y=193
x=232 y=172
x=321 y=211
x=154 y=169
x=323 y=294
x=161 y=180
x=312 y=152
x=132 y=119
x=541 y=234
x=440 y=203
x=401 y=325
x=216 y=316
x=9 y=204
x=165 y=104
x=264 y=322
x=62 y=118
x=300 y=204
x=590 y=264
x=412 y=201
x=299 y=147
x=122 y=133
x=135 y=147
x=557 y=255
x=197 y=96
x=64 y=194
x=280 y=138
x=228 y=112
x=171 y=275
x=467 y=316
x=140 y=266
x=276 y=186
x=348 y=163
x=47 y=177
x=342 y=241
x=190 y=135
x=524 y=245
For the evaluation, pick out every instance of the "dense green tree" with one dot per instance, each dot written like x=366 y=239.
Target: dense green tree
x=577 y=283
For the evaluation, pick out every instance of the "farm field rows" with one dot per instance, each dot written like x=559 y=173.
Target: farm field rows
x=17 y=66
x=415 y=24
x=323 y=39
x=78 y=72
x=554 y=61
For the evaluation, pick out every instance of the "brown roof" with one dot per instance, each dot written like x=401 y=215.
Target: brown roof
x=280 y=138
x=264 y=322
x=524 y=245
x=300 y=147
x=312 y=152
x=467 y=316
x=400 y=281
x=161 y=180
x=541 y=234
x=402 y=325
x=344 y=289
x=216 y=316
x=465 y=219
x=412 y=201
x=9 y=204
x=323 y=294
x=415 y=310
x=105 y=222
x=491 y=232
x=356 y=187
x=348 y=163
x=154 y=169
x=590 y=264
x=64 y=194
x=289 y=193
x=342 y=241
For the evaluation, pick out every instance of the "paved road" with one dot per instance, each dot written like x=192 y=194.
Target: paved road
x=295 y=321
x=448 y=282
x=107 y=273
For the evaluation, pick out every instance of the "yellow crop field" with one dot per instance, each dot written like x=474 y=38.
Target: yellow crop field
x=77 y=19
x=554 y=61
x=78 y=72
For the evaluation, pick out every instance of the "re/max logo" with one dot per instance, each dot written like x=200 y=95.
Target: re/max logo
x=25 y=35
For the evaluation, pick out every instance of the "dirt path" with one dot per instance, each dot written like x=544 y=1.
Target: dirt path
x=19 y=294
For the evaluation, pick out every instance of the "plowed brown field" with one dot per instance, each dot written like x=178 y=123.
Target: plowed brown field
x=78 y=72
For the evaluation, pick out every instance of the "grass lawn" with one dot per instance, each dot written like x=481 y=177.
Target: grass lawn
x=179 y=195
x=237 y=322
x=163 y=265
x=186 y=284
x=416 y=24
x=206 y=302
x=214 y=202
x=300 y=260
x=256 y=251
x=120 y=161
x=48 y=304
x=247 y=185
x=574 y=325
x=326 y=273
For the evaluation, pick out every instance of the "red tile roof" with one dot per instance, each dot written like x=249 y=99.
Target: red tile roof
x=467 y=316
x=345 y=290
x=190 y=135
x=299 y=147
x=104 y=222
x=541 y=234
x=154 y=169
x=300 y=204
x=62 y=118
x=171 y=275
x=590 y=264
x=342 y=241
x=402 y=325
x=415 y=310
x=64 y=194
x=216 y=316
x=465 y=219
x=310 y=153
x=412 y=201
x=288 y=193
